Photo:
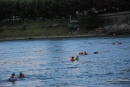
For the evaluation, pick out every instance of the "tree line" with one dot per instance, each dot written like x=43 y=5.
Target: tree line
x=57 y=8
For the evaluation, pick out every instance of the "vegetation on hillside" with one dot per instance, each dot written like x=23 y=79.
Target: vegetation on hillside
x=56 y=8
x=90 y=21
x=53 y=9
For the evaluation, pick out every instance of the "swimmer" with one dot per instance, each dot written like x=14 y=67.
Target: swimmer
x=77 y=58
x=80 y=53
x=113 y=43
x=12 y=78
x=72 y=59
x=21 y=75
x=85 y=53
x=119 y=42
x=96 y=52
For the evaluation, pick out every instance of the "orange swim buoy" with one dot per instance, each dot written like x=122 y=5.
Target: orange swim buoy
x=80 y=53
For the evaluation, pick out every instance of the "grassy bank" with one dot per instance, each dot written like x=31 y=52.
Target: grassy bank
x=24 y=29
x=42 y=28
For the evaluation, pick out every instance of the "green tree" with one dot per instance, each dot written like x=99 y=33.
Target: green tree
x=91 y=20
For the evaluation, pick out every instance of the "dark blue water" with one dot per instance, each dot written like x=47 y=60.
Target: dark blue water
x=46 y=62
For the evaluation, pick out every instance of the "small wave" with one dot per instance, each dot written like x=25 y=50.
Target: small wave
x=71 y=67
x=119 y=81
x=109 y=73
x=57 y=50
x=128 y=70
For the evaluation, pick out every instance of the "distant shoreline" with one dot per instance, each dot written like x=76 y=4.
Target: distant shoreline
x=49 y=37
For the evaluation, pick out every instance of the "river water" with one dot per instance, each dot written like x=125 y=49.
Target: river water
x=46 y=62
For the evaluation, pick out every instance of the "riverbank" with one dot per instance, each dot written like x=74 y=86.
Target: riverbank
x=42 y=30
x=50 y=37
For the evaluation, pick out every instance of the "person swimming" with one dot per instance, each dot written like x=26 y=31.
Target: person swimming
x=77 y=58
x=72 y=59
x=119 y=42
x=80 y=53
x=21 y=75
x=85 y=53
x=96 y=52
x=12 y=78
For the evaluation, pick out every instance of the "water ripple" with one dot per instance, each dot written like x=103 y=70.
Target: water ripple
x=47 y=63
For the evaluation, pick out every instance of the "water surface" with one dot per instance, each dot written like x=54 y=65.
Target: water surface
x=46 y=62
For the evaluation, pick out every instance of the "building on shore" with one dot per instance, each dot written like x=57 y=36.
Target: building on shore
x=116 y=22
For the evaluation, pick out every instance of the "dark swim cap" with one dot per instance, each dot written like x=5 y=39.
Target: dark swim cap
x=13 y=73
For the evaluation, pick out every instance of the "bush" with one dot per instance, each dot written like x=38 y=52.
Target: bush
x=91 y=20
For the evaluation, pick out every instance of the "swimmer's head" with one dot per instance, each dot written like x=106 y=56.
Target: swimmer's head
x=13 y=74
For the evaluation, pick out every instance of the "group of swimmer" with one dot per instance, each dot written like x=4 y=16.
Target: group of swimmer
x=85 y=53
x=14 y=78
x=81 y=53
